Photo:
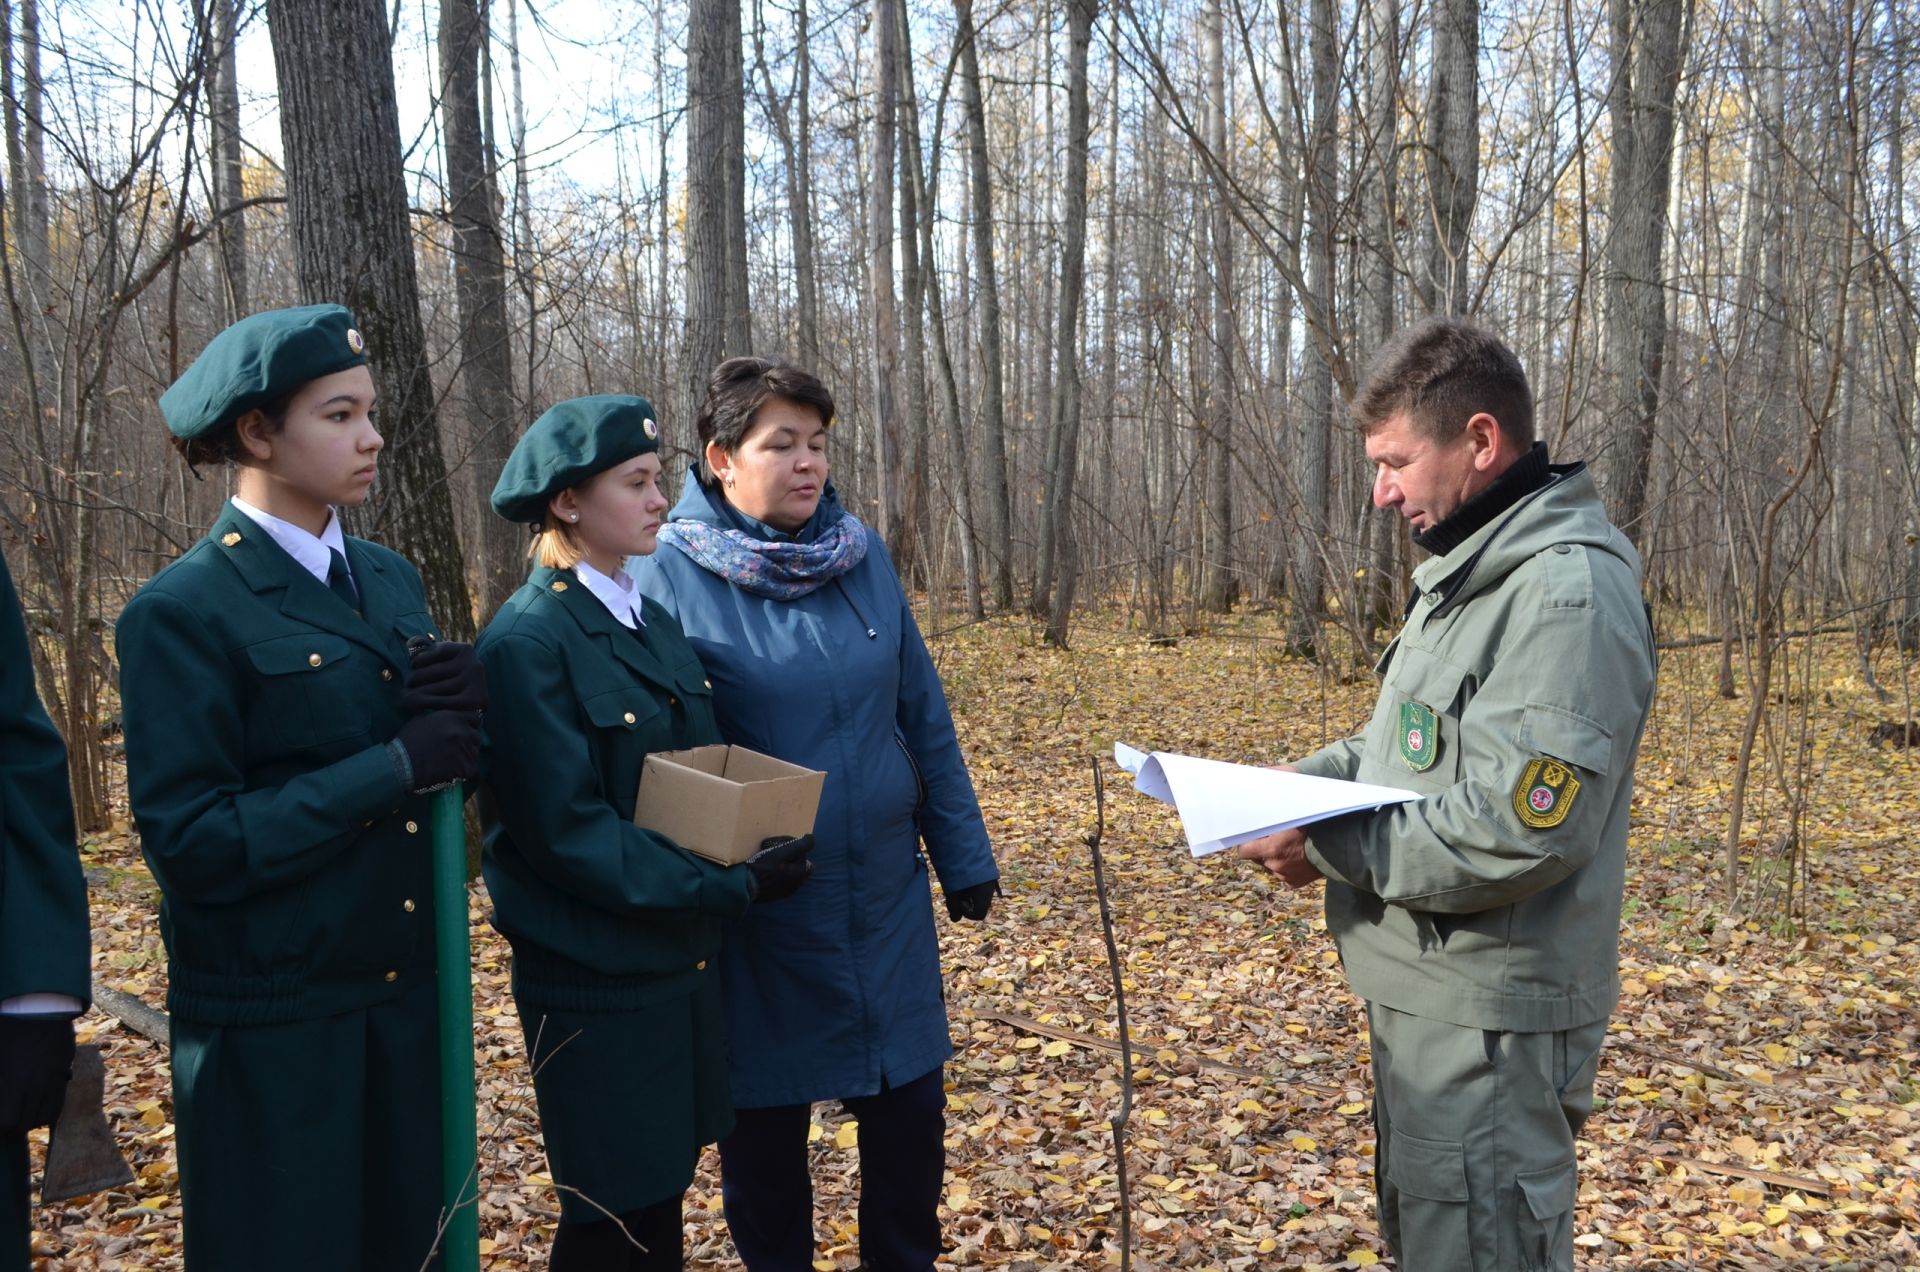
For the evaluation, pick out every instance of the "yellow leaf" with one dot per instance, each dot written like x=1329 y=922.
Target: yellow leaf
x=1305 y=1143
x=1777 y=1215
x=1364 y=1258
x=487 y=1245
x=1777 y=1053
x=1348 y=1110
x=1056 y=1048
x=847 y=1136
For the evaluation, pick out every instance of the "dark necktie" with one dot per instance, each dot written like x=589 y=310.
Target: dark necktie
x=340 y=581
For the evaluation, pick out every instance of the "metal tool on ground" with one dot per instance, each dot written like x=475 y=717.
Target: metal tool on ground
x=82 y=1157
x=460 y=1237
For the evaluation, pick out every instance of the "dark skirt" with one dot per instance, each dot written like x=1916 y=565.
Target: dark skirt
x=628 y=1098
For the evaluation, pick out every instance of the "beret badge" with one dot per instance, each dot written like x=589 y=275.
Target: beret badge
x=355 y=341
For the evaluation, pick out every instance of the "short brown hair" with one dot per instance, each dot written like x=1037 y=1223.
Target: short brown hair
x=222 y=445
x=1442 y=372
x=736 y=391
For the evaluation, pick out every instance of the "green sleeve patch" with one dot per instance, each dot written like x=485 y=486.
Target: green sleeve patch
x=1419 y=736
x=1544 y=795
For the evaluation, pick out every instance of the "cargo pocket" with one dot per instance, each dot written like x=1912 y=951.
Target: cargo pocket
x=1545 y=1218
x=309 y=688
x=1430 y=1180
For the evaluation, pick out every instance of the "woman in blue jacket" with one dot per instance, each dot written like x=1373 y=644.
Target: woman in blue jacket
x=835 y=992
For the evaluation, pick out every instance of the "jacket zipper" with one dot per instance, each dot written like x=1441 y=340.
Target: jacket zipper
x=848 y=598
x=919 y=782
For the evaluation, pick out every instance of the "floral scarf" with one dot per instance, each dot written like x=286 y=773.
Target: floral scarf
x=781 y=569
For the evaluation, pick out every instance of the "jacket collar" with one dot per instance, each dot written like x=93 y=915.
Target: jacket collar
x=701 y=502
x=266 y=568
x=630 y=647
x=1567 y=510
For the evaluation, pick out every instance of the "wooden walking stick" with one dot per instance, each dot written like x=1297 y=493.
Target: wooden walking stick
x=1119 y=1120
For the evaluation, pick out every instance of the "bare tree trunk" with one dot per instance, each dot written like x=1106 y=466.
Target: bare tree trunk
x=915 y=532
x=1646 y=50
x=1217 y=578
x=480 y=287
x=716 y=194
x=347 y=198
x=227 y=164
x=991 y=463
x=1067 y=395
x=1307 y=599
x=523 y=212
x=794 y=128
x=1453 y=151
x=1374 y=323
x=888 y=501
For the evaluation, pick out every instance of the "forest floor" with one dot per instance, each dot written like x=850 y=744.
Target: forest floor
x=1758 y=1105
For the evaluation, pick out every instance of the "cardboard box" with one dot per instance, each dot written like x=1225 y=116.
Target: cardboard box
x=721 y=801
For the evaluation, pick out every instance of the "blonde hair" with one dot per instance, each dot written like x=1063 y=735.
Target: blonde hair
x=555 y=546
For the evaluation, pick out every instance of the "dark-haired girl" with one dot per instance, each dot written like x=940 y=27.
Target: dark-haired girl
x=281 y=740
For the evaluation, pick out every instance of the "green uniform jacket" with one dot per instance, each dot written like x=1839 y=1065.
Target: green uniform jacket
x=602 y=915
x=44 y=939
x=1513 y=700
x=293 y=863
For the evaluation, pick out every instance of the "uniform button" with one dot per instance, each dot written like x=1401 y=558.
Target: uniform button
x=313 y=660
x=386 y=673
x=1563 y=548
x=393 y=976
x=672 y=701
x=559 y=586
x=413 y=827
x=407 y=905
x=629 y=717
x=709 y=684
x=701 y=966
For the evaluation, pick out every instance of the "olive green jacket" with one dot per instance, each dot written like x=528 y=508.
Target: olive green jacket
x=602 y=915
x=294 y=866
x=43 y=900
x=1513 y=700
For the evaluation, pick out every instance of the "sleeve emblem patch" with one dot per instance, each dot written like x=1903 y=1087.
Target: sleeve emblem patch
x=1419 y=736
x=1544 y=795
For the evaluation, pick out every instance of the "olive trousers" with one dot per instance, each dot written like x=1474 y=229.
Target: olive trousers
x=1475 y=1167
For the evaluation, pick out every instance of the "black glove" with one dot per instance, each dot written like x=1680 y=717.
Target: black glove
x=779 y=868
x=973 y=903
x=443 y=747
x=36 y=1059
x=445 y=676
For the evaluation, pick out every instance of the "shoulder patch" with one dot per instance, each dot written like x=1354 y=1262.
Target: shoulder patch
x=1544 y=794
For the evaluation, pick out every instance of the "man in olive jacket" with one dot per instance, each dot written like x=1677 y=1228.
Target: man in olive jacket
x=44 y=940
x=1481 y=922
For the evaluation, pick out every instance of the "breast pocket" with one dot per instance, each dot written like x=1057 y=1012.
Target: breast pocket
x=1415 y=738
x=624 y=713
x=310 y=690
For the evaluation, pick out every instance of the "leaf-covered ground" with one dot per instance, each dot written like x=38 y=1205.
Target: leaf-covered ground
x=1758 y=1102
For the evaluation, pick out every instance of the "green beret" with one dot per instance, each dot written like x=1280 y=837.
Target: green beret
x=261 y=358
x=573 y=441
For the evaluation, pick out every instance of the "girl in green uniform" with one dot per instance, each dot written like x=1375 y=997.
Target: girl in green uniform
x=614 y=929
x=281 y=740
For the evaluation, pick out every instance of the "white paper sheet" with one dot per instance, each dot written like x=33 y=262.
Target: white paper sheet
x=1224 y=805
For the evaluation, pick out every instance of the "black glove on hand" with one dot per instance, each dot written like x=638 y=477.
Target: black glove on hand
x=445 y=676
x=443 y=747
x=779 y=868
x=36 y=1059
x=973 y=903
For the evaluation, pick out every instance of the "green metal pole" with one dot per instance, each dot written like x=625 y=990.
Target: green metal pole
x=460 y=1244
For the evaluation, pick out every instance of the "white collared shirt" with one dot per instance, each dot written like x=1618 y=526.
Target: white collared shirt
x=314 y=553
x=618 y=594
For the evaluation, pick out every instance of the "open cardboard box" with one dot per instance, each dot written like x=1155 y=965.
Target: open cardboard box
x=721 y=801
